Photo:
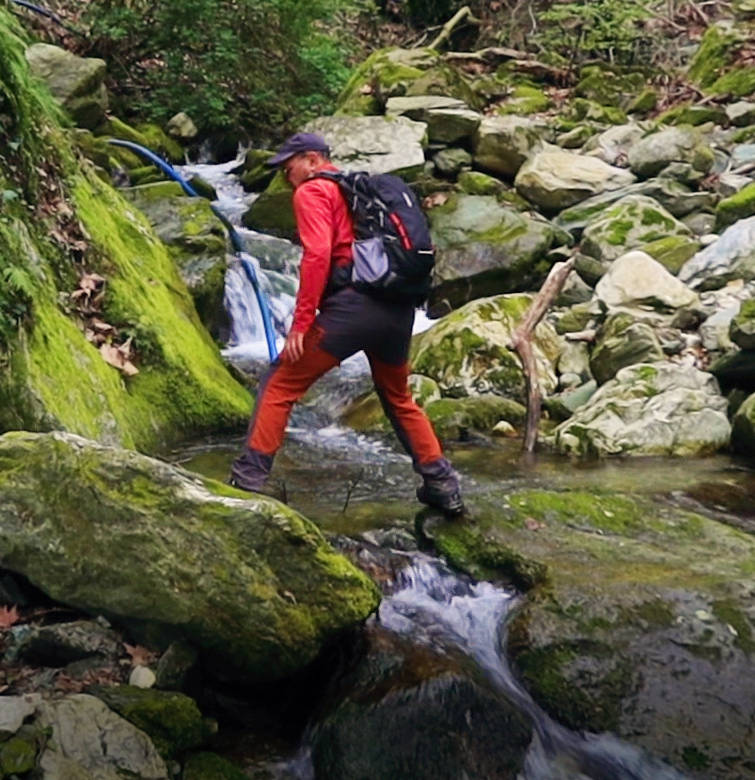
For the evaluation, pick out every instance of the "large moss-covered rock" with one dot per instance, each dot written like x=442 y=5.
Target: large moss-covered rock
x=484 y=248
x=76 y=82
x=455 y=418
x=467 y=352
x=273 y=212
x=674 y=144
x=736 y=207
x=635 y=279
x=649 y=409
x=555 y=179
x=623 y=341
x=197 y=241
x=503 y=143
x=731 y=257
x=742 y=328
x=609 y=87
x=248 y=581
x=629 y=223
x=715 y=66
x=645 y=627
x=743 y=428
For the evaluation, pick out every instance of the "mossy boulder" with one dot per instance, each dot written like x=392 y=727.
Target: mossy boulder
x=742 y=328
x=503 y=143
x=693 y=115
x=736 y=207
x=657 y=408
x=256 y=174
x=684 y=143
x=714 y=66
x=672 y=252
x=629 y=223
x=273 y=212
x=149 y=135
x=197 y=241
x=171 y=720
x=555 y=179
x=743 y=428
x=623 y=341
x=582 y=110
x=210 y=766
x=609 y=88
x=467 y=352
x=455 y=418
x=646 y=609
x=76 y=82
x=477 y=183
x=484 y=248
x=249 y=582
x=523 y=100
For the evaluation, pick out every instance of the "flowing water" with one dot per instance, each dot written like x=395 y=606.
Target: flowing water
x=350 y=483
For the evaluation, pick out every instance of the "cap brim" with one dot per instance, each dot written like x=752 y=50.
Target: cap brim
x=277 y=159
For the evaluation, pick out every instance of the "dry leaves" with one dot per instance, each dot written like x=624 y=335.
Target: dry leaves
x=140 y=656
x=436 y=199
x=8 y=616
x=120 y=357
x=532 y=524
x=89 y=294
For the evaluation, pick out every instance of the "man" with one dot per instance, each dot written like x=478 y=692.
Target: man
x=348 y=321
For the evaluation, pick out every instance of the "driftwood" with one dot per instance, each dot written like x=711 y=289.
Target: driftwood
x=463 y=14
x=493 y=55
x=521 y=342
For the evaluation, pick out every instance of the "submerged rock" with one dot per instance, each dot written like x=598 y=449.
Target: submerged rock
x=248 y=581
x=649 y=409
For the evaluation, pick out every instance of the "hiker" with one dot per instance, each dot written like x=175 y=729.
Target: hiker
x=348 y=321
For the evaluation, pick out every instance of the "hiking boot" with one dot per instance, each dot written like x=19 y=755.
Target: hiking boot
x=445 y=497
x=272 y=488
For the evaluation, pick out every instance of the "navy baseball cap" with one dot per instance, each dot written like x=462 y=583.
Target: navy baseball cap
x=299 y=142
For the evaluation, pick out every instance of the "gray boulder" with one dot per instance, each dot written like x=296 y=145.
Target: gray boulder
x=731 y=257
x=742 y=329
x=636 y=279
x=649 y=409
x=741 y=113
x=448 y=120
x=484 y=248
x=75 y=82
x=555 y=179
x=248 y=581
x=503 y=143
x=623 y=341
x=182 y=127
x=674 y=144
x=613 y=145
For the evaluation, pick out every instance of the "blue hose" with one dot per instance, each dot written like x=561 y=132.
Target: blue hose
x=49 y=14
x=236 y=242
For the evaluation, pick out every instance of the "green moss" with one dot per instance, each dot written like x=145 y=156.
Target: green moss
x=644 y=102
x=672 y=251
x=739 y=82
x=712 y=56
x=727 y=611
x=695 y=758
x=618 y=230
x=209 y=766
x=736 y=207
x=525 y=100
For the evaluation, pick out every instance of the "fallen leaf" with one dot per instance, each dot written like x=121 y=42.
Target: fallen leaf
x=436 y=199
x=8 y=616
x=532 y=524
x=140 y=656
x=115 y=358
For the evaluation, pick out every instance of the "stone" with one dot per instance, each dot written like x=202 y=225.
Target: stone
x=477 y=183
x=175 y=666
x=635 y=279
x=623 y=341
x=372 y=143
x=423 y=389
x=524 y=100
x=582 y=110
x=454 y=418
x=714 y=332
x=18 y=755
x=88 y=734
x=210 y=766
x=448 y=120
x=273 y=212
x=59 y=644
x=450 y=162
x=672 y=252
x=653 y=153
x=743 y=428
x=612 y=145
x=700 y=223
x=273 y=596
x=142 y=677
x=628 y=223
x=742 y=329
x=484 y=248
x=715 y=67
x=182 y=127
x=467 y=352
x=736 y=207
x=656 y=408
x=574 y=291
x=75 y=82
x=576 y=138
x=14 y=710
x=732 y=256
x=554 y=179
x=503 y=143
x=741 y=113
x=735 y=370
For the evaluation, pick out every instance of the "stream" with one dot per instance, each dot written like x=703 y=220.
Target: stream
x=358 y=486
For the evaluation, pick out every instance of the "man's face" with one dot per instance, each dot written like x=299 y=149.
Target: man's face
x=299 y=167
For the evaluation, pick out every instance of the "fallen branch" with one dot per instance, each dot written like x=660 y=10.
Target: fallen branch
x=521 y=342
x=463 y=14
x=492 y=55
x=352 y=484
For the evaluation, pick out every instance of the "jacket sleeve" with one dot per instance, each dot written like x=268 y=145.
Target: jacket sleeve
x=313 y=210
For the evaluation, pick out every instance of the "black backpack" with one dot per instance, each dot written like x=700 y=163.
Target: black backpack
x=393 y=252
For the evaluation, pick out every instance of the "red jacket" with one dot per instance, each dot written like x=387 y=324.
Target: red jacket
x=326 y=233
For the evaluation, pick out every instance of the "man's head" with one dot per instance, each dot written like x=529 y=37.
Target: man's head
x=300 y=156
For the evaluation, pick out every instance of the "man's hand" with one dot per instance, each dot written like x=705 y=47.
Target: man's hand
x=293 y=349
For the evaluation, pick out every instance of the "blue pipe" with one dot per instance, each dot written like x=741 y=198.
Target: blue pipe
x=236 y=242
x=49 y=14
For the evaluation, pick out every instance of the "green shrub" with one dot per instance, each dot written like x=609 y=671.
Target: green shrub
x=260 y=65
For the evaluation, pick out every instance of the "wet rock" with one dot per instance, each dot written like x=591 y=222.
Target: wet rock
x=629 y=223
x=274 y=594
x=503 y=143
x=76 y=82
x=735 y=370
x=407 y=711
x=742 y=330
x=467 y=352
x=90 y=739
x=142 y=677
x=484 y=248
x=649 y=409
x=182 y=127
x=623 y=340
x=636 y=279
x=554 y=179
x=175 y=666
x=62 y=643
x=455 y=418
x=675 y=144
x=732 y=256
x=477 y=183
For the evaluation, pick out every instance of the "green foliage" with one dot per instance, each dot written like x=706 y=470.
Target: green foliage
x=261 y=65
x=613 y=30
